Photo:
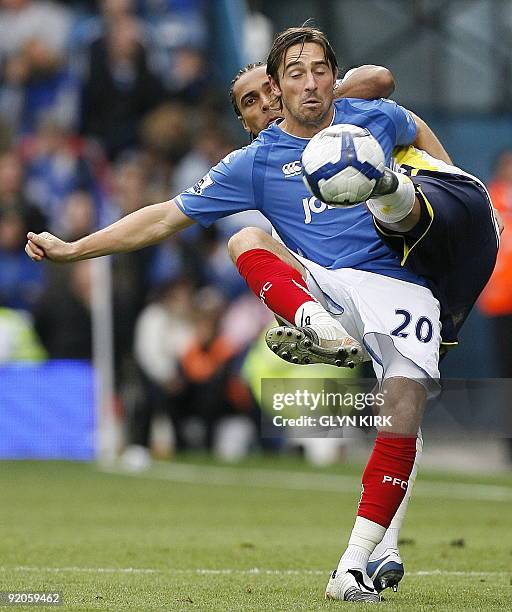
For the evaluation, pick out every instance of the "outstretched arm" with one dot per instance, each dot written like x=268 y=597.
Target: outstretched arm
x=139 y=229
x=427 y=141
x=367 y=82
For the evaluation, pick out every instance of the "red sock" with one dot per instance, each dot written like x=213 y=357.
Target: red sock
x=276 y=283
x=385 y=477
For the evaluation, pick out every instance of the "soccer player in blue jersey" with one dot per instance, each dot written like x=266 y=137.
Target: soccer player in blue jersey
x=335 y=281
x=251 y=98
x=461 y=204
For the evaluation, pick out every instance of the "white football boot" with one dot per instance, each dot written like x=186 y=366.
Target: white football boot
x=351 y=585
x=304 y=345
x=386 y=571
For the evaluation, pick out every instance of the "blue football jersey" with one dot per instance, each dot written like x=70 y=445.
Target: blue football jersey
x=266 y=176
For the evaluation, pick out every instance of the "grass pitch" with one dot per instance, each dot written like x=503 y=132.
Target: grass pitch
x=260 y=536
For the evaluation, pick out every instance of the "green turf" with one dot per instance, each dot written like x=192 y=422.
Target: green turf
x=61 y=524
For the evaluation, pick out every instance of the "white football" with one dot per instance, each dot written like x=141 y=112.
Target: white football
x=341 y=164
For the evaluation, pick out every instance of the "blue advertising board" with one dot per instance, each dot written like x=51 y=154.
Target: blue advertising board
x=47 y=411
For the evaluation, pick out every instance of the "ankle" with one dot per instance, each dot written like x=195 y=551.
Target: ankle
x=363 y=540
x=314 y=314
x=393 y=206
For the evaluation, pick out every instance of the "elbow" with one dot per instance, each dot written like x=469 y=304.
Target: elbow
x=385 y=81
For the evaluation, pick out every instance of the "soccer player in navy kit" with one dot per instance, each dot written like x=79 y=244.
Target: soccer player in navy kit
x=342 y=254
x=443 y=226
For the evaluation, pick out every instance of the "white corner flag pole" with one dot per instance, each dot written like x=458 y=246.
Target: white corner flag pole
x=107 y=441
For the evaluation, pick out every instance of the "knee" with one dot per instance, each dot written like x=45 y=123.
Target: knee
x=246 y=239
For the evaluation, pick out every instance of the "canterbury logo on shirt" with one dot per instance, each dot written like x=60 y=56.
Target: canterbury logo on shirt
x=292 y=169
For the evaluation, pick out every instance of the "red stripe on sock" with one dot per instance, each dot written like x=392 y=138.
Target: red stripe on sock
x=276 y=283
x=385 y=477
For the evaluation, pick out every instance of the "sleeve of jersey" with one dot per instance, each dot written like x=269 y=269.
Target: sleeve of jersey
x=400 y=125
x=226 y=189
x=404 y=124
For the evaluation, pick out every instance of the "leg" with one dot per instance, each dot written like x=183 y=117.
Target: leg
x=394 y=203
x=254 y=238
x=383 y=562
x=385 y=567
x=278 y=279
x=453 y=244
x=454 y=231
x=408 y=367
x=385 y=482
x=388 y=470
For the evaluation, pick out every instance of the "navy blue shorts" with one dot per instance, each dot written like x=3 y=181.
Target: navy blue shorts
x=454 y=245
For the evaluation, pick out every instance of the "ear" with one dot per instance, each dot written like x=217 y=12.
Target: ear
x=274 y=86
x=244 y=125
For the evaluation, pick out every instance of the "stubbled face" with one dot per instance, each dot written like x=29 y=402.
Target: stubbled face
x=253 y=96
x=306 y=87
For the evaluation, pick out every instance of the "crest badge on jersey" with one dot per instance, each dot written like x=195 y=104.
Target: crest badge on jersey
x=202 y=184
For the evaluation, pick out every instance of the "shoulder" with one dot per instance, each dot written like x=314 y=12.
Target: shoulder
x=237 y=162
x=380 y=110
x=271 y=136
x=373 y=110
x=359 y=103
x=380 y=104
x=239 y=157
x=241 y=160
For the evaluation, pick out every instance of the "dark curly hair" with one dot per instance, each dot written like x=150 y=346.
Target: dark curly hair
x=241 y=72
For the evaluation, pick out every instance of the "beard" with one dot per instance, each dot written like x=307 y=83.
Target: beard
x=310 y=117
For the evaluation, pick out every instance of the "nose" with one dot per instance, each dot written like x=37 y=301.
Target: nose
x=310 y=83
x=265 y=102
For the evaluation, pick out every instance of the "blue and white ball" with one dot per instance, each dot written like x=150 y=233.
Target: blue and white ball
x=341 y=164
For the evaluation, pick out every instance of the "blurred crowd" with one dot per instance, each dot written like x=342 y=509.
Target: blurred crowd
x=496 y=300
x=106 y=107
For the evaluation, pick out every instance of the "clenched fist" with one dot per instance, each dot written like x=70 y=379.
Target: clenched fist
x=47 y=246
